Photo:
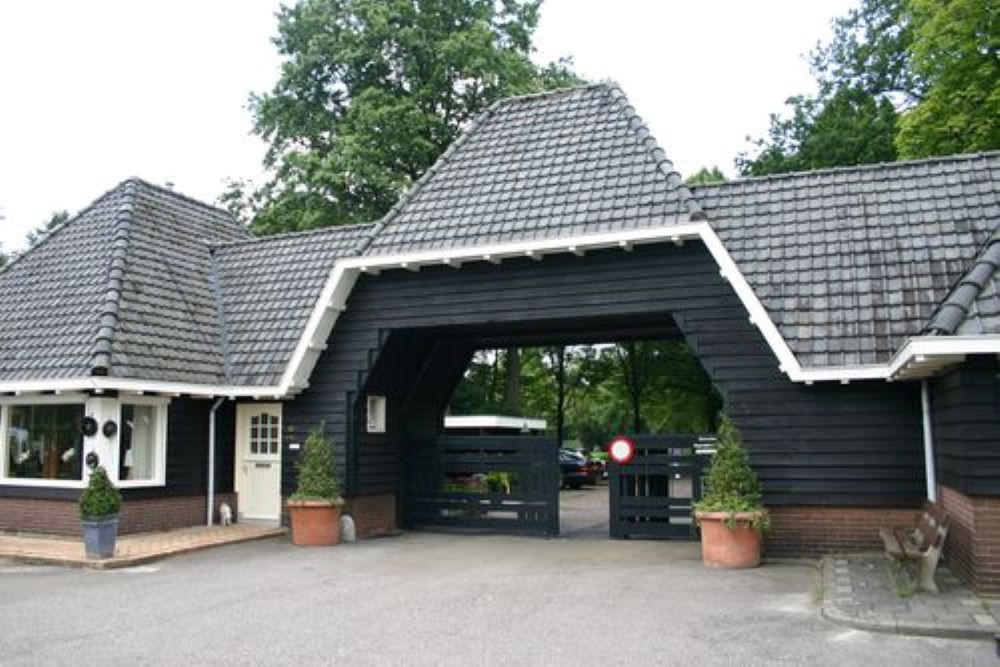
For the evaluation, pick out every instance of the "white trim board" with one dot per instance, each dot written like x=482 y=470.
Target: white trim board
x=343 y=276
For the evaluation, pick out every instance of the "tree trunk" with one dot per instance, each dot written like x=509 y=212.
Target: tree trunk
x=512 y=385
x=560 y=359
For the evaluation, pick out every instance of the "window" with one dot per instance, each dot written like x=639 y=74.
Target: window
x=44 y=442
x=142 y=442
x=265 y=434
x=376 y=414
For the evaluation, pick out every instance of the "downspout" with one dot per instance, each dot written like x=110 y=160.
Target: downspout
x=929 y=470
x=210 y=510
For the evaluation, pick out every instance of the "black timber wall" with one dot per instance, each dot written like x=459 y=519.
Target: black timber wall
x=966 y=414
x=187 y=455
x=827 y=444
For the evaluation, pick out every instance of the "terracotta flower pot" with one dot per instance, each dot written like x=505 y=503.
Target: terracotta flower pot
x=315 y=523
x=729 y=547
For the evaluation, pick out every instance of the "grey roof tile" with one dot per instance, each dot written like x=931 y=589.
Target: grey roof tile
x=896 y=245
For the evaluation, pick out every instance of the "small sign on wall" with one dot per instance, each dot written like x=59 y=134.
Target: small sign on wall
x=376 y=414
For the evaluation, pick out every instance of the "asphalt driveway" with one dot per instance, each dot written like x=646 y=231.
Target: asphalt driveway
x=436 y=599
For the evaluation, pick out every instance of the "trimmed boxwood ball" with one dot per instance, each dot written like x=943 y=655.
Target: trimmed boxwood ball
x=317 y=473
x=100 y=498
x=732 y=485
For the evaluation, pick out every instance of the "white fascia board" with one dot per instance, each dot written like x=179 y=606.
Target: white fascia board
x=924 y=350
x=87 y=384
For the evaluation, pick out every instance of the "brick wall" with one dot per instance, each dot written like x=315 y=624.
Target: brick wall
x=61 y=517
x=373 y=515
x=814 y=531
x=972 y=549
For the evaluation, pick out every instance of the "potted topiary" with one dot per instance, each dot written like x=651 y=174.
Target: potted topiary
x=731 y=514
x=315 y=505
x=100 y=504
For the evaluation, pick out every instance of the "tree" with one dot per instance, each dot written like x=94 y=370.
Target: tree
x=864 y=78
x=956 y=50
x=851 y=127
x=3 y=257
x=371 y=92
x=706 y=175
x=38 y=234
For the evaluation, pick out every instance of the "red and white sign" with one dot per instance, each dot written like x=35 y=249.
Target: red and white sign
x=621 y=450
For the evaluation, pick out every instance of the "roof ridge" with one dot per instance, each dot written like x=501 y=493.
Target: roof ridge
x=218 y=293
x=663 y=163
x=287 y=235
x=954 y=308
x=874 y=166
x=108 y=322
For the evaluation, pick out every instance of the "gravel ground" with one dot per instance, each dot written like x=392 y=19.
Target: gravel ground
x=440 y=599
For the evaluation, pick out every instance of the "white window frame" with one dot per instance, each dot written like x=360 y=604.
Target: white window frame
x=375 y=413
x=5 y=404
x=160 y=447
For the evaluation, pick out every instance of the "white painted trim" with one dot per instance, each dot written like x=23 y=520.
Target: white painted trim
x=930 y=472
x=342 y=278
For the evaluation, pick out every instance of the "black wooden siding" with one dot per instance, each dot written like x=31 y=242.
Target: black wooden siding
x=966 y=414
x=187 y=455
x=826 y=444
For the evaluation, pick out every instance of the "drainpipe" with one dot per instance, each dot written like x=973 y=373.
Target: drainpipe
x=929 y=472
x=211 y=461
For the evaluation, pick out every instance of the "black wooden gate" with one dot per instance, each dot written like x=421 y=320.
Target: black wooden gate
x=497 y=484
x=651 y=496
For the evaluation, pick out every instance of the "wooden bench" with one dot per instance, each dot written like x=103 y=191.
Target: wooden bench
x=921 y=543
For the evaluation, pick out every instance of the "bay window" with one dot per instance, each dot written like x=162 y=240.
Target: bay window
x=42 y=441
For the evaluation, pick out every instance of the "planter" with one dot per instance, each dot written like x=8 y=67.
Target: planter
x=723 y=546
x=99 y=536
x=315 y=523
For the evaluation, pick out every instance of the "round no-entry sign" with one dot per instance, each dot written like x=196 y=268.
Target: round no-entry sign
x=621 y=450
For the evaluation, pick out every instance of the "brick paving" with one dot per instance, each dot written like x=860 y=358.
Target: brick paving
x=131 y=549
x=867 y=591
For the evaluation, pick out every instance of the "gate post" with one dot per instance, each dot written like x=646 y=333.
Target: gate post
x=552 y=493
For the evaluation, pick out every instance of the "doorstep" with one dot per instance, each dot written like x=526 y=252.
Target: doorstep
x=133 y=549
x=863 y=591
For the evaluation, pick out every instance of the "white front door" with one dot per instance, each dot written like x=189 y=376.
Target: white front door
x=258 y=460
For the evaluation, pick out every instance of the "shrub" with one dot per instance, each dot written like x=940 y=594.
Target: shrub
x=732 y=485
x=317 y=474
x=100 y=498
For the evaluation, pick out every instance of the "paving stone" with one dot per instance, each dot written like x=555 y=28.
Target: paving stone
x=874 y=600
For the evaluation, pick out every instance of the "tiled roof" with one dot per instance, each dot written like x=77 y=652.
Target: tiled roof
x=148 y=284
x=571 y=162
x=121 y=289
x=269 y=287
x=849 y=262
x=973 y=305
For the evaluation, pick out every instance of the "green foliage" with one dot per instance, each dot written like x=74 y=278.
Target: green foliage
x=100 y=498
x=706 y=175
x=956 y=49
x=674 y=392
x=899 y=79
x=371 y=92
x=732 y=485
x=317 y=474
x=56 y=220
x=850 y=127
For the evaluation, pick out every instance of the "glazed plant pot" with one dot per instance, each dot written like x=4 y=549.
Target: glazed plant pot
x=729 y=540
x=99 y=536
x=315 y=523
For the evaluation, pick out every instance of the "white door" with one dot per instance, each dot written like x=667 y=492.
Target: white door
x=258 y=460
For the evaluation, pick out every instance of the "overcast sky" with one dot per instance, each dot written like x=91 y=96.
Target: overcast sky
x=94 y=92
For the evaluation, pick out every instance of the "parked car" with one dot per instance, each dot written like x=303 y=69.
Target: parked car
x=575 y=470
